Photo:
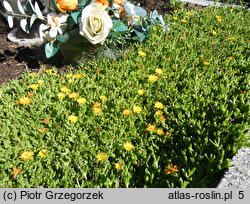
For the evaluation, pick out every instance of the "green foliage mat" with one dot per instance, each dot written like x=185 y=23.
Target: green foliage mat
x=172 y=112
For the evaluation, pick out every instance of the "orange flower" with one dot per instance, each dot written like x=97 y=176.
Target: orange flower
x=67 y=5
x=15 y=172
x=151 y=128
x=119 y=2
x=171 y=169
x=103 y=3
x=96 y=105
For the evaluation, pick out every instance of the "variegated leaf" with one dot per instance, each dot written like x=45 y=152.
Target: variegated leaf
x=24 y=25
x=7 y=6
x=38 y=12
x=20 y=7
x=10 y=21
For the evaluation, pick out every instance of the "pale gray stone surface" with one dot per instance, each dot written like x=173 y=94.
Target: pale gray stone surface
x=238 y=175
x=209 y=3
x=22 y=41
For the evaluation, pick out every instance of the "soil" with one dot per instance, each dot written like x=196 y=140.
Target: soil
x=15 y=60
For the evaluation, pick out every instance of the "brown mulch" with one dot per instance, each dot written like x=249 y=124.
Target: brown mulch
x=15 y=60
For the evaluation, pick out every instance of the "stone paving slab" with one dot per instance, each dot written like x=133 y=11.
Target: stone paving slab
x=209 y=3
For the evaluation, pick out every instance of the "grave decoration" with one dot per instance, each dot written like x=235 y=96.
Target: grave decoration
x=82 y=28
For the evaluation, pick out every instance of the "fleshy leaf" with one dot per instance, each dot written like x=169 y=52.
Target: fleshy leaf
x=7 y=6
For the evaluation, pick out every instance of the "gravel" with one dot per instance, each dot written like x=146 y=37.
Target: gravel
x=238 y=175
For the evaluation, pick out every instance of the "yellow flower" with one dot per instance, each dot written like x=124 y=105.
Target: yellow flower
x=218 y=19
x=97 y=111
x=101 y=157
x=74 y=95
x=231 y=38
x=42 y=153
x=202 y=59
x=159 y=113
x=159 y=105
x=137 y=109
x=151 y=128
x=206 y=63
x=128 y=146
x=61 y=95
x=50 y=72
x=70 y=81
x=184 y=21
x=171 y=169
x=26 y=155
x=82 y=100
x=40 y=82
x=97 y=105
x=67 y=5
x=188 y=13
x=34 y=86
x=230 y=58
x=214 y=33
x=158 y=71
x=25 y=101
x=160 y=132
x=140 y=92
x=118 y=166
x=42 y=130
x=78 y=76
x=162 y=118
x=45 y=121
x=126 y=112
x=175 y=18
x=72 y=118
x=141 y=53
x=152 y=78
x=65 y=90
x=15 y=172
x=68 y=76
x=103 y=98
x=32 y=74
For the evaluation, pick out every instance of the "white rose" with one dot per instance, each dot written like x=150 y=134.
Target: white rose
x=95 y=24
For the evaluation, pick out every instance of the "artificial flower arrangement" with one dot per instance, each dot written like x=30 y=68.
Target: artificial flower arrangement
x=83 y=24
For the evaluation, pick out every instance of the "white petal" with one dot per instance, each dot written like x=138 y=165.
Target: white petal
x=53 y=33
x=42 y=28
x=62 y=18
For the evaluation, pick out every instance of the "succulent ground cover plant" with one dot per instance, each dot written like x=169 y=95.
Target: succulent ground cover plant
x=171 y=112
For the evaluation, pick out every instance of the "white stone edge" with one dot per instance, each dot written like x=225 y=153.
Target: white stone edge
x=210 y=3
